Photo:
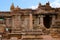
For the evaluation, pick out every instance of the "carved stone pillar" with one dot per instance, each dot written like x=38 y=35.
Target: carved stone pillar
x=16 y=22
x=7 y=22
x=41 y=21
x=37 y=21
x=31 y=23
x=53 y=20
x=12 y=22
x=25 y=23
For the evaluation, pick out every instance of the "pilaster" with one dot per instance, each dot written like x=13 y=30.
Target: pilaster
x=16 y=22
x=53 y=21
x=8 y=22
x=41 y=22
x=31 y=23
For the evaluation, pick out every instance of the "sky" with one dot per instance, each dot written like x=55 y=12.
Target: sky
x=5 y=4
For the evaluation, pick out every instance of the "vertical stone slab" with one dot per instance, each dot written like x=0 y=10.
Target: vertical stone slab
x=41 y=21
x=16 y=22
x=7 y=22
x=53 y=19
x=31 y=23
x=12 y=22
x=38 y=21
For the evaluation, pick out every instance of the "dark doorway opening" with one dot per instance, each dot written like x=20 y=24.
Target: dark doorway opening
x=47 y=21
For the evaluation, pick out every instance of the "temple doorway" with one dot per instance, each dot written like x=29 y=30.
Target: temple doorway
x=47 y=21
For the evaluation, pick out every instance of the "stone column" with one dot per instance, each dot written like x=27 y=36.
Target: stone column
x=16 y=22
x=41 y=21
x=13 y=25
x=31 y=22
x=7 y=22
x=53 y=20
x=26 y=23
x=37 y=21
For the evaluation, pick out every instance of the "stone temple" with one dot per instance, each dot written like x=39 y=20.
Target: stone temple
x=42 y=23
